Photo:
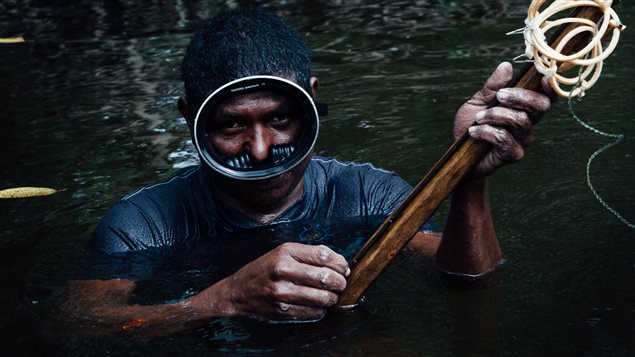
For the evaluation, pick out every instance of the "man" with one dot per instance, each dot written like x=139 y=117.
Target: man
x=239 y=134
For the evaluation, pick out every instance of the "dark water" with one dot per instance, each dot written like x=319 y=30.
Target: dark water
x=88 y=104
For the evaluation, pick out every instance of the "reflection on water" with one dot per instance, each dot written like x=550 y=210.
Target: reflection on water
x=89 y=105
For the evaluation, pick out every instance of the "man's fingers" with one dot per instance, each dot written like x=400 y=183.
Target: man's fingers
x=506 y=148
x=293 y=281
x=503 y=117
x=303 y=295
x=534 y=103
x=295 y=302
x=324 y=278
x=320 y=256
x=516 y=121
x=546 y=88
x=497 y=80
x=309 y=275
x=289 y=311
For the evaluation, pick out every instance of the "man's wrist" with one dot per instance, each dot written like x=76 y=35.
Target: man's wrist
x=215 y=301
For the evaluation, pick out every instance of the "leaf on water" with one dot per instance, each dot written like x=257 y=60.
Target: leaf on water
x=11 y=39
x=23 y=192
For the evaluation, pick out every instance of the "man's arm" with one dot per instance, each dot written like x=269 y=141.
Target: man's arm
x=291 y=282
x=104 y=303
x=469 y=245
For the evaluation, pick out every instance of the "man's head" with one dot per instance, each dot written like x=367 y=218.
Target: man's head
x=239 y=43
x=236 y=44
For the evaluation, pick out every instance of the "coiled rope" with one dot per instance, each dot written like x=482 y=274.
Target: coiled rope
x=551 y=62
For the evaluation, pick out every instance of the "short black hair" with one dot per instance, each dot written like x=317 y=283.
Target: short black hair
x=241 y=42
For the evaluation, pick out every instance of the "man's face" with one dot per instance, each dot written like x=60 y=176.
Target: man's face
x=253 y=123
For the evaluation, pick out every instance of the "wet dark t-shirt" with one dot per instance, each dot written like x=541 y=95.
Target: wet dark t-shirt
x=183 y=208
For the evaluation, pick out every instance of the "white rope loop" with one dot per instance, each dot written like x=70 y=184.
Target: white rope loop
x=551 y=62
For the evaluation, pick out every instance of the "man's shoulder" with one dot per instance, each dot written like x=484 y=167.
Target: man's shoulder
x=333 y=166
x=356 y=189
x=363 y=175
x=174 y=184
x=152 y=216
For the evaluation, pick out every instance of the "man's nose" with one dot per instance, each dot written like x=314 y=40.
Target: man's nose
x=259 y=144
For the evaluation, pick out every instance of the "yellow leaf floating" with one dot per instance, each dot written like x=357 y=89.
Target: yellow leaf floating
x=23 y=192
x=11 y=39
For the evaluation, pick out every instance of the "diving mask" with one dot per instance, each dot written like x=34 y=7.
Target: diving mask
x=282 y=158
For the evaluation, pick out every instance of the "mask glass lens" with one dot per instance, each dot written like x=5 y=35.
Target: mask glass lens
x=256 y=127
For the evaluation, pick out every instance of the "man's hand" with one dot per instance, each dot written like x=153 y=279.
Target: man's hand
x=507 y=126
x=292 y=282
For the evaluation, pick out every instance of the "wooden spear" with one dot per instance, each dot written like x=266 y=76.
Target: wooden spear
x=395 y=232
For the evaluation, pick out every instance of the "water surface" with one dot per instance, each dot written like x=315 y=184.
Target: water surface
x=88 y=104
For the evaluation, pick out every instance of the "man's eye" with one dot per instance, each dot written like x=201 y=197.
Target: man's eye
x=231 y=124
x=279 y=119
x=231 y=127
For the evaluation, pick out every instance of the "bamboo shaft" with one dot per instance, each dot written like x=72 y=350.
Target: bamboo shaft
x=457 y=162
